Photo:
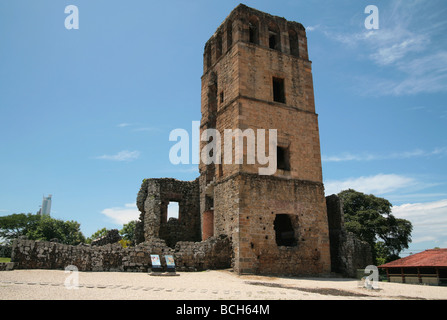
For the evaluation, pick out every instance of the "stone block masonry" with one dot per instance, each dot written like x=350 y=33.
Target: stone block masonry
x=348 y=253
x=257 y=75
x=153 y=200
x=111 y=236
x=215 y=253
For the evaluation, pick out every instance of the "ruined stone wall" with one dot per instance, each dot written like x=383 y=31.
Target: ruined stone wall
x=348 y=253
x=246 y=210
x=112 y=236
x=226 y=207
x=264 y=199
x=215 y=253
x=152 y=201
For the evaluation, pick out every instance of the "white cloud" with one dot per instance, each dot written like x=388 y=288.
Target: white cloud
x=429 y=220
x=122 y=215
x=440 y=151
x=377 y=184
x=426 y=74
x=135 y=127
x=393 y=45
x=312 y=28
x=146 y=129
x=349 y=157
x=406 y=46
x=121 y=156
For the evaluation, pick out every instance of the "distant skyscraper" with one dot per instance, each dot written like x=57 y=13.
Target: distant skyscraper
x=46 y=205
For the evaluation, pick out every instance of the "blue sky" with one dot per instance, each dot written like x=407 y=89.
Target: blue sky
x=86 y=114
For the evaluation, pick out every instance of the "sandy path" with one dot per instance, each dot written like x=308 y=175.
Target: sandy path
x=208 y=285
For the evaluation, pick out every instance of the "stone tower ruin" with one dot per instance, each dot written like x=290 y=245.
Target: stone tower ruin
x=257 y=75
x=256 y=79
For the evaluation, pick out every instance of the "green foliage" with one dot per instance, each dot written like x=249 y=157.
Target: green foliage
x=67 y=232
x=128 y=231
x=96 y=235
x=383 y=253
x=36 y=227
x=16 y=225
x=370 y=218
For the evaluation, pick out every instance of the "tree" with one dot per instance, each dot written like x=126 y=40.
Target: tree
x=370 y=218
x=36 y=227
x=128 y=231
x=96 y=235
x=67 y=232
x=383 y=253
x=16 y=225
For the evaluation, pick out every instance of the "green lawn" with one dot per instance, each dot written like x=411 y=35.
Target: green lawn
x=5 y=259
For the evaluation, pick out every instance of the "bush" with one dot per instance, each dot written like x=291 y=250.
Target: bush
x=5 y=251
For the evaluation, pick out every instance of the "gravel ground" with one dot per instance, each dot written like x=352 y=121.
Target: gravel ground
x=207 y=285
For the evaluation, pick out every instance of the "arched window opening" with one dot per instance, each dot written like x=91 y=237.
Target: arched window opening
x=229 y=34
x=218 y=45
x=253 y=25
x=274 y=37
x=293 y=42
x=208 y=56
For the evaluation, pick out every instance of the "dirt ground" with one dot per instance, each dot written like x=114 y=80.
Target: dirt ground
x=207 y=285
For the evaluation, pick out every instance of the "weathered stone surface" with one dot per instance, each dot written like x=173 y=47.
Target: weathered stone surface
x=152 y=201
x=6 y=266
x=277 y=223
x=112 y=236
x=189 y=256
x=348 y=253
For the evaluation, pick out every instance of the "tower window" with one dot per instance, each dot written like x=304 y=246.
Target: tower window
x=173 y=210
x=212 y=97
x=274 y=39
x=229 y=34
x=278 y=90
x=253 y=30
x=208 y=56
x=293 y=41
x=282 y=158
x=218 y=46
x=285 y=235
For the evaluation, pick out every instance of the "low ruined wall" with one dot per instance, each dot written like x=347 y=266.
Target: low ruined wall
x=215 y=253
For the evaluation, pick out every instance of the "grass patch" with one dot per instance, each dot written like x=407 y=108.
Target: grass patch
x=5 y=259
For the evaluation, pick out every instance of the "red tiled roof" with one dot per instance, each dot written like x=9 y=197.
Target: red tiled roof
x=427 y=258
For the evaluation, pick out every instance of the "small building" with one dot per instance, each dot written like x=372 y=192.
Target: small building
x=427 y=267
